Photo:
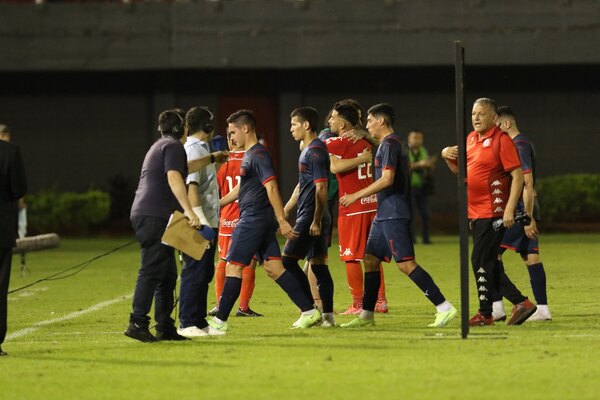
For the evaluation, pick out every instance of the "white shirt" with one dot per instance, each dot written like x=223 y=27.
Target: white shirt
x=206 y=178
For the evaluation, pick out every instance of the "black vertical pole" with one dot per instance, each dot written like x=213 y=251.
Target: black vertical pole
x=459 y=73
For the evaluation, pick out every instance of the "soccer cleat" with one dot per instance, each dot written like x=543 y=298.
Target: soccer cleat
x=247 y=313
x=481 y=320
x=381 y=306
x=306 y=321
x=210 y=331
x=140 y=333
x=171 y=335
x=192 y=332
x=521 y=312
x=354 y=309
x=213 y=311
x=2 y=352
x=442 y=318
x=218 y=326
x=541 y=314
x=358 y=323
x=328 y=320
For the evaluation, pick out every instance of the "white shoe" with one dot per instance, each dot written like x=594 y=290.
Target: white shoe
x=541 y=314
x=297 y=323
x=328 y=320
x=210 y=331
x=191 y=332
x=498 y=311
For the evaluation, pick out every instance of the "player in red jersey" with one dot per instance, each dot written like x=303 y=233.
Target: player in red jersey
x=228 y=177
x=351 y=162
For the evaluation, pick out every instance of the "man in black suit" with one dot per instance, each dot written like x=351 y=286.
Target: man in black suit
x=13 y=186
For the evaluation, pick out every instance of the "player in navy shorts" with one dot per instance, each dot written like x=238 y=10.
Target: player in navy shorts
x=519 y=238
x=261 y=213
x=312 y=222
x=390 y=235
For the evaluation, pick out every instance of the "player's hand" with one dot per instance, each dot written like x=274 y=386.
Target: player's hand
x=450 y=153
x=315 y=228
x=531 y=230
x=193 y=219
x=348 y=199
x=509 y=217
x=221 y=156
x=287 y=231
x=366 y=156
x=354 y=134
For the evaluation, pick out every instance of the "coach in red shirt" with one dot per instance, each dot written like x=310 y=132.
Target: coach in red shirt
x=494 y=185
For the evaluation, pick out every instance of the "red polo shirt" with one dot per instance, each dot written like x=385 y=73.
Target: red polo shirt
x=490 y=159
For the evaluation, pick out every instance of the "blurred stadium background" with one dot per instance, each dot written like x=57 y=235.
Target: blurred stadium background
x=82 y=82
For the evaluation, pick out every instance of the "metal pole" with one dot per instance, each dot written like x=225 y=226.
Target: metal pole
x=459 y=73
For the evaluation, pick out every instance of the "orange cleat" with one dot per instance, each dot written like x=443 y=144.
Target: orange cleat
x=354 y=309
x=381 y=306
x=480 y=320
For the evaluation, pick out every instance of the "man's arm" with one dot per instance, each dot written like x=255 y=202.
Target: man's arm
x=177 y=186
x=217 y=157
x=320 y=202
x=450 y=155
x=529 y=200
x=289 y=206
x=339 y=165
x=230 y=197
x=516 y=188
x=277 y=204
x=356 y=134
x=386 y=180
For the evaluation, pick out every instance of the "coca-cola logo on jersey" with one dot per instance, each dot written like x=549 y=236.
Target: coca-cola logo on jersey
x=229 y=224
x=369 y=200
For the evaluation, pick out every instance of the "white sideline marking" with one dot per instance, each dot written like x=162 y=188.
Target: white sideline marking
x=38 y=325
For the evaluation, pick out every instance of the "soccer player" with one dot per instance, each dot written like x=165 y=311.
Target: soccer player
x=390 y=235
x=494 y=185
x=261 y=211
x=523 y=239
x=228 y=178
x=313 y=166
x=351 y=162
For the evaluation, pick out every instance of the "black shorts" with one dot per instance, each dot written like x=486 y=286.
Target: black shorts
x=391 y=238
x=307 y=246
x=254 y=237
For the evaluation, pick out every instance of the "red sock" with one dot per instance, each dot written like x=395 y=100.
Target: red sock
x=354 y=273
x=220 y=279
x=381 y=295
x=248 y=277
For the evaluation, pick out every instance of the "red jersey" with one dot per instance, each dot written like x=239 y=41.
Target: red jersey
x=356 y=179
x=228 y=178
x=490 y=159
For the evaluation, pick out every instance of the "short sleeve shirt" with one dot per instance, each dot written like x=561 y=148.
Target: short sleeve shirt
x=528 y=165
x=313 y=167
x=154 y=196
x=393 y=201
x=356 y=179
x=490 y=159
x=205 y=179
x=228 y=178
x=255 y=171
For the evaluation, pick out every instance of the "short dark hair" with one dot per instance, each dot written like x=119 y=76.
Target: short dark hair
x=346 y=111
x=199 y=119
x=383 y=110
x=506 y=111
x=359 y=109
x=5 y=129
x=487 y=101
x=243 y=117
x=308 y=114
x=170 y=122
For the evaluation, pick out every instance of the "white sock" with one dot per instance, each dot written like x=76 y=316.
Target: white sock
x=498 y=307
x=309 y=312
x=444 y=307
x=365 y=314
x=543 y=308
x=218 y=321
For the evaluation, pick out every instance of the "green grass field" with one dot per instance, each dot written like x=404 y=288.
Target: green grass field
x=60 y=349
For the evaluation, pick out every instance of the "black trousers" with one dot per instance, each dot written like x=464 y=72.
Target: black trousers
x=157 y=276
x=5 y=266
x=484 y=260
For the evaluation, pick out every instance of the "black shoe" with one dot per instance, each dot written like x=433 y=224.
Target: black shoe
x=247 y=313
x=169 y=335
x=139 y=332
x=2 y=353
x=213 y=311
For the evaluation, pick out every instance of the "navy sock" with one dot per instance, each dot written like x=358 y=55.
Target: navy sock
x=292 y=287
x=325 y=283
x=372 y=282
x=425 y=282
x=231 y=292
x=537 y=277
x=291 y=265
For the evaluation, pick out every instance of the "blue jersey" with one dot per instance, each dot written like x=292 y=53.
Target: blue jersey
x=313 y=167
x=325 y=134
x=393 y=202
x=528 y=166
x=255 y=171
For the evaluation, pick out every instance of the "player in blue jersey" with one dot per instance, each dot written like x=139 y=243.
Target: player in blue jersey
x=312 y=221
x=519 y=238
x=390 y=235
x=261 y=213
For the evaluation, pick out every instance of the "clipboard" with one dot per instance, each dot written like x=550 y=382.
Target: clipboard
x=181 y=236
